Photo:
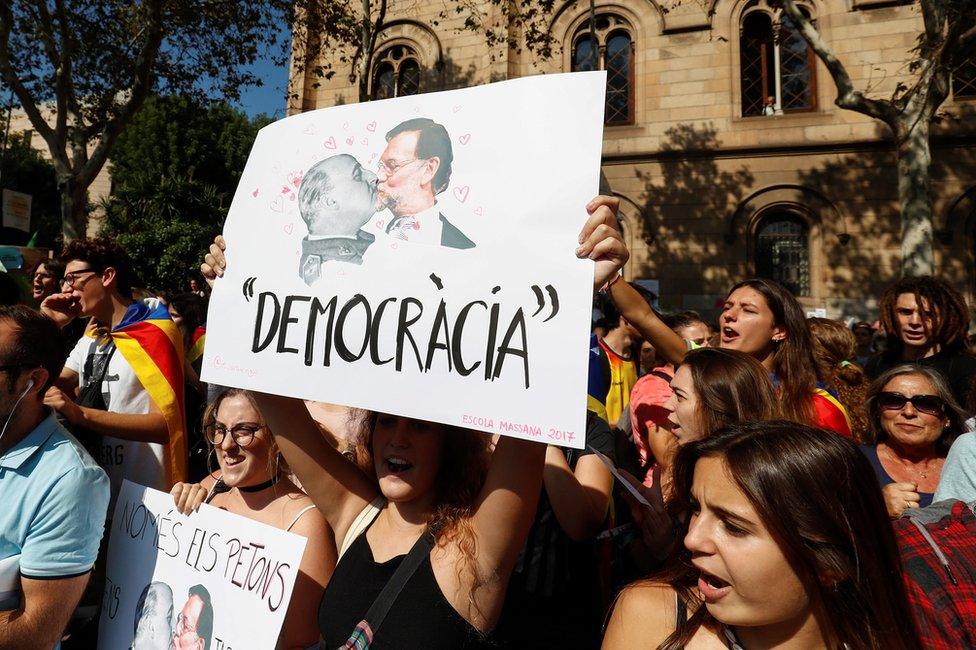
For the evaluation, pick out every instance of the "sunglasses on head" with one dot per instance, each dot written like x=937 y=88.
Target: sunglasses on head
x=929 y=404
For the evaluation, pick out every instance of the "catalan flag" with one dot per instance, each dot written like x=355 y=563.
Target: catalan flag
x=150 y=341
x=198 y=341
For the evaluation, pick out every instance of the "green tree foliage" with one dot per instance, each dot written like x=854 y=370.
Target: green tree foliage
x=82 y=69
x=174 y=171
x=177 y=136
x=23 y=169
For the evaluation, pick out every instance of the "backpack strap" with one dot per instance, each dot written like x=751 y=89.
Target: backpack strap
x=366 y=630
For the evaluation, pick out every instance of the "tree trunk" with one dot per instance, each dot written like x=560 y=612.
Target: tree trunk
x=74 y=208
x=914 y=160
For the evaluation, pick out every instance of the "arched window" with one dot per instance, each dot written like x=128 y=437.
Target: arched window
x=776 y=64
x=396 y=73
x=782 y=251
x=612 y=51
x=964 y=80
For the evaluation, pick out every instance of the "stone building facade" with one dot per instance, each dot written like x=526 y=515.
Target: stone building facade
x=722 y=139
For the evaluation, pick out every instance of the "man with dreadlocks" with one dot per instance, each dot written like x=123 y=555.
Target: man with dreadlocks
x=926 y=321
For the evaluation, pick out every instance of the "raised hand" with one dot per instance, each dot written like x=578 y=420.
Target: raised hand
x=600 y=240
x=62 y=308
x=214 y=263
x=656 y=526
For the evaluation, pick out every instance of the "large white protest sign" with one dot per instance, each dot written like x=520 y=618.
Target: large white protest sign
x=213 y=575
x=416 y=256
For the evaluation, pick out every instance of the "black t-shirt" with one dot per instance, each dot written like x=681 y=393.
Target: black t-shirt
x=958 y=369
x=554 y=596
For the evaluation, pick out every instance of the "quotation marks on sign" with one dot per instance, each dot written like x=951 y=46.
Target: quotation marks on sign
x=553 y=300
x=461 y=193
x=248 y=288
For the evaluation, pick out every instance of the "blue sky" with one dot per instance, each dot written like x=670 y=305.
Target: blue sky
x=269 y=98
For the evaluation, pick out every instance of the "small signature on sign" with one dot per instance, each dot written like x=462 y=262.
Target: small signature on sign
x=520 y=428
x=219 y=362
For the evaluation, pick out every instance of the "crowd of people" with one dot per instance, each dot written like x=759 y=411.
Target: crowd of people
x=790 y=481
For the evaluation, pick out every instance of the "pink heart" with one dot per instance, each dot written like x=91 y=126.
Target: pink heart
x=464 y=138
x=364 y=142
x=288 y=228
x=479 y=211
x=456 y=108
x=285 y=189
x=295 y=178
x=371 y=126
x=345 y=126
x=218 y=361
x=255 y=192
x=330 y=143
x=379 y=224
x=461 y=193
x=309 y=130
x=341 y=273
x=393 y=245
x=277 y=205
x=350 y=140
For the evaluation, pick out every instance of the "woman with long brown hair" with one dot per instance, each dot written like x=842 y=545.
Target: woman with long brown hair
x=835 y=351
x=250 y=480
x=712 y=389
x=715 y=387
x=423 y=496
x=759 y=317
x=775 y=555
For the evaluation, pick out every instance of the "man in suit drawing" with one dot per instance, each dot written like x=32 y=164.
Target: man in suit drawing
x=414 y=168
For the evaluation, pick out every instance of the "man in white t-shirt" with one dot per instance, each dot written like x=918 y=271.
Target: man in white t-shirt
x=129 y=430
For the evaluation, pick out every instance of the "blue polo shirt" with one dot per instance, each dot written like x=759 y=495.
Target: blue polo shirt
x=53 y=498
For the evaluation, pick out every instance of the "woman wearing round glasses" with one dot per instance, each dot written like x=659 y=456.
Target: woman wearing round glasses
x=252 y=481
x=914 y=418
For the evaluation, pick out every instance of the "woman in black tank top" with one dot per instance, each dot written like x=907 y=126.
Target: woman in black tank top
x=420 y=618
x=415 y=479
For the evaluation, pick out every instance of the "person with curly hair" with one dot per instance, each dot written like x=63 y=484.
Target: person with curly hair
x=925 y=321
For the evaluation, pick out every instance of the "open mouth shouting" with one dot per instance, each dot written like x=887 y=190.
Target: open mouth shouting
x=729 y=335
x=396 y=465
x=712 y=587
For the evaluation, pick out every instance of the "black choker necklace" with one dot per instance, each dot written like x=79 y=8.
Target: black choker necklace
x=260 y=486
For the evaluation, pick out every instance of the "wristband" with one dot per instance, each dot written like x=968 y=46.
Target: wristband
x=606 y=287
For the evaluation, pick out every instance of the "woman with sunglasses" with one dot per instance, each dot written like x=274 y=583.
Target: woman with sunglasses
x=252 y=482
x=914 y=419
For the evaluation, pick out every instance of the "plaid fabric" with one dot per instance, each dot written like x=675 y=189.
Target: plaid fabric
x=360 y=639
x=941 y=590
